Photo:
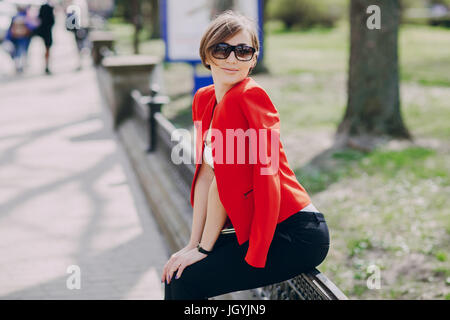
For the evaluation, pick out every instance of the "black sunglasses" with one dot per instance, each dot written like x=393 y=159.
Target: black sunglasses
x=241 y=51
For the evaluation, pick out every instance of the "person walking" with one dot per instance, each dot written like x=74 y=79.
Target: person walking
x=79 y=18
x=253 y=223
x=47 y=19
x=19 y=34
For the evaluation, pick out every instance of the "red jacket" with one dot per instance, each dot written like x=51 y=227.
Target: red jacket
x=255 y=202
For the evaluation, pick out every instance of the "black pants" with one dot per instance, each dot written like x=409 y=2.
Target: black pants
x=300 y=243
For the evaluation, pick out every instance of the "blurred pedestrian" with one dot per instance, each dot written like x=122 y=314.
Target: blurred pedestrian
x=78 y=21
x=47 y=19
x=19 y=34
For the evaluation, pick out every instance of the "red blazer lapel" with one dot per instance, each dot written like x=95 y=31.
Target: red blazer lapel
x=207 y=116
x=200 y=136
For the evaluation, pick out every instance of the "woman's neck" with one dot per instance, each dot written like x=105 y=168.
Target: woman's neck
x=220 y=90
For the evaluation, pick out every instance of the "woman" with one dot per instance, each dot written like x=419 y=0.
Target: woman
x=253 y=223
x=47 y=18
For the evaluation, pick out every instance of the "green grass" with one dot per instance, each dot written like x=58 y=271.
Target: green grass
x=417 y=163
x=411 y=160
x=356 y=246
x=441 y=256
x=424 y=55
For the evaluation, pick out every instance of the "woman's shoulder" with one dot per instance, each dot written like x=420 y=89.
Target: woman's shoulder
x=201 y=98
x=251 y=95
x=203 y=92
x=249 y=88
x=254 y=99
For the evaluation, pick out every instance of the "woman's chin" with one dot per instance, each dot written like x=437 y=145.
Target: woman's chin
x=232 y=78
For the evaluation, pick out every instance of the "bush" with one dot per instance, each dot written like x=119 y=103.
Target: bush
x=418 y=11
x=407 y=4
x=307 y=13
x=443 y=2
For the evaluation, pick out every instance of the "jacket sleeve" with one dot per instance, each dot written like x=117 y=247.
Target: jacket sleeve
x=261 y=114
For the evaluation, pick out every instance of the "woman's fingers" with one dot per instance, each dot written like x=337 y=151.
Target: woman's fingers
x=180 y=271
x=192 y=257
x=171 y=266
x=174 y=260
x=164 y=273
x=167 y=268
x=172 y=272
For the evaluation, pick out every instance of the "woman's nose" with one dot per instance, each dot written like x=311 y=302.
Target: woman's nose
x=232 y=57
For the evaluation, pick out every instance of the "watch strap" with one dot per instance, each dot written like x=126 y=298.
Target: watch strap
x=200 y=249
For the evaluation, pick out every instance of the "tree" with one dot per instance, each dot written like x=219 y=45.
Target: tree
x=137 y=22
x=373 y=106
x=154 y=17
x=261 y=66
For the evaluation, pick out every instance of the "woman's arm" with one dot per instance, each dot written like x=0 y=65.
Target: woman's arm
x=205 y=176
x=207 y=231
x=202 y=186
x=215 y=218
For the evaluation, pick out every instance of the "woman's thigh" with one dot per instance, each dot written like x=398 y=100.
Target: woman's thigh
x=207 y=277
x=225 y=270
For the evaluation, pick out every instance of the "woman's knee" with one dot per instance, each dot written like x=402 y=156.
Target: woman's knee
x=180 y=289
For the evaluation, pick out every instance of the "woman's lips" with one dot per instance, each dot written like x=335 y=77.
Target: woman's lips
x=230 y=70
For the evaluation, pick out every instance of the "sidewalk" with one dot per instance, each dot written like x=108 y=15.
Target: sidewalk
x=68 y=195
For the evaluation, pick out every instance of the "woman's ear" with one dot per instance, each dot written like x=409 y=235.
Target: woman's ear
x=256 y=59
x=254 y=64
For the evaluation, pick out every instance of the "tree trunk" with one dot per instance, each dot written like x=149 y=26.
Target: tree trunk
x=156 y=31
x=261 y=66
x=137 y=22
x=373 y=106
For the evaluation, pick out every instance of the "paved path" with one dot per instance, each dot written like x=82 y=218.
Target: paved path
x=68 y=196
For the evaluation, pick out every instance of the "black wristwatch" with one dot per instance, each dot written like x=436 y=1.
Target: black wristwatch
x=200 y=249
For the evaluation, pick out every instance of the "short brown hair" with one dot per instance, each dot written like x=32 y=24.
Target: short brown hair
x=224 y=26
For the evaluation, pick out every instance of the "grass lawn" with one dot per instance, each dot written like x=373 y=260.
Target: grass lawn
x=389 y=208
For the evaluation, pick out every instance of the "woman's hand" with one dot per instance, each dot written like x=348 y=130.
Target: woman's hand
x=182 y=261
x=172 y=262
